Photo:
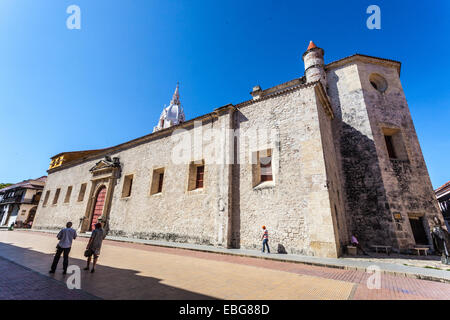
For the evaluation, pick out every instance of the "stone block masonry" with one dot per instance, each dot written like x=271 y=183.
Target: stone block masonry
x=342 y=157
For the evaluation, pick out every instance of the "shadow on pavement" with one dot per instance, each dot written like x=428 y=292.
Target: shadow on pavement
x=106 y=282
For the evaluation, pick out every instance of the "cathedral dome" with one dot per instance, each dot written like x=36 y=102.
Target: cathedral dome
x=171 y=115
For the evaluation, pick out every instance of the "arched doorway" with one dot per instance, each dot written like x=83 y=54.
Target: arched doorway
x=98 y=207
x=31 y=216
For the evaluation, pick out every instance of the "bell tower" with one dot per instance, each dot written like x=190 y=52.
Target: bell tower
x=173 y=114
x=314 y=64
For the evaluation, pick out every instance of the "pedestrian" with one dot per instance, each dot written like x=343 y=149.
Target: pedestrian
x=441 y=240
x=65 y=237
x=265 y=239
x=355 y=242
x=94 y=245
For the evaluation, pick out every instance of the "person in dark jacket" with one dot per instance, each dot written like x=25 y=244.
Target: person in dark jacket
x=441 y=240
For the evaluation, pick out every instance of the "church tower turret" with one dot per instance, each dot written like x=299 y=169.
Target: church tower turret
x=173 y=114
x=314 y=64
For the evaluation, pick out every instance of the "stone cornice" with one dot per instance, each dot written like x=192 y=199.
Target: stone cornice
x=320 y=91
x=364 y=58
x=276 y=94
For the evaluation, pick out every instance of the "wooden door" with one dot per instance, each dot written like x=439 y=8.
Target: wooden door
x=98 y=207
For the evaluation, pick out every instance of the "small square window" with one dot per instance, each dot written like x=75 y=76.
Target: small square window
x=47 y=196
x=55 y=199
x=262 y=167
x=82 y=192
x=395 y=145
x=265 y=164
x=157 y=181
x=196 y=175
x=68 y=193
x=390 y=147
x=127 y=186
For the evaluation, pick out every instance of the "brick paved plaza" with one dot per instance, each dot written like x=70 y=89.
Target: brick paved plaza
x=18 y=282
x=138 y=271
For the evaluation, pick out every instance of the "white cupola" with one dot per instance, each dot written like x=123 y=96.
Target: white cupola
x=171 y=115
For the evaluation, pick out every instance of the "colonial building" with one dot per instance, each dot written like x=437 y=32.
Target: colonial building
x=315 y=159
x=18 y=202
x=443 y=197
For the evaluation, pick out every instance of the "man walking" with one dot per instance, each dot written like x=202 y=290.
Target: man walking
x=265 y=239
x=65 y=237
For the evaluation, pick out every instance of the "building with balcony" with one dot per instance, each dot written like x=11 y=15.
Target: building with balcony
x=18 y=202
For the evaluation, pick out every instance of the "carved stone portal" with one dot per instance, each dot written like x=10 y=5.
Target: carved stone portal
x=105 y=174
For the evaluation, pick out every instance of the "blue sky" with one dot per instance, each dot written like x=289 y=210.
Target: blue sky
x=66 y=90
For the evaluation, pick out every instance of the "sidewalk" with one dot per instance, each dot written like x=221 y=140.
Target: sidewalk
x=396 y=268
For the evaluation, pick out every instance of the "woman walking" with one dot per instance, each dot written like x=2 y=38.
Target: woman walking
x=94 y=246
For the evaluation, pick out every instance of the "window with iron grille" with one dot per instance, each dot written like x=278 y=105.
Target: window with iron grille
x=199 y=178
x=196 y=175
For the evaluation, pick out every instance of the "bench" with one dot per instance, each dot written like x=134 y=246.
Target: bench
x=387 y=249
x=352 y=250
x=418 y=249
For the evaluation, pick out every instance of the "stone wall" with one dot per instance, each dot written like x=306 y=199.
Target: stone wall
x=406 y=181
x=230 y=209
x=365 y=198
x=295 y=207
x=335 y=186
x=174 y=214
x=376 y=187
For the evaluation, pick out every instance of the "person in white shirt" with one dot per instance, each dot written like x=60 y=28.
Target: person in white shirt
x=65 y=237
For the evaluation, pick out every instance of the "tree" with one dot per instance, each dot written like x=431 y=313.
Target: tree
x=4 y=185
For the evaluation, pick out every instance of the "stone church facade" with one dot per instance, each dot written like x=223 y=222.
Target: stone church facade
x=315 y=159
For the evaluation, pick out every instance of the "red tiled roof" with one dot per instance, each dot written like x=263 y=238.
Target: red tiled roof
x=29 y=184
x=445 y=185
